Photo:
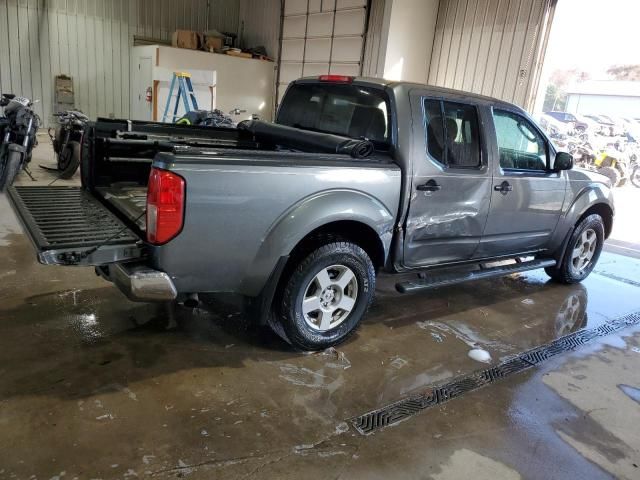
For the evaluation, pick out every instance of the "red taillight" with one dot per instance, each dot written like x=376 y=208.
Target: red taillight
x=165 y=206
x=336 y=78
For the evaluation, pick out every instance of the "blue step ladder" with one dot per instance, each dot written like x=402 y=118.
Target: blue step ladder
x=181 y=81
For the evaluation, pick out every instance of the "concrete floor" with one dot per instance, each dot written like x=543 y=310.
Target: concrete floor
x=95 y=386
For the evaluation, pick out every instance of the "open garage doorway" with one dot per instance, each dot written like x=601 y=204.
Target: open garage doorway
x=589 y=99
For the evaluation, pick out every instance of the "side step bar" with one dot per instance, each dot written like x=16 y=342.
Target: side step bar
x=445 y=279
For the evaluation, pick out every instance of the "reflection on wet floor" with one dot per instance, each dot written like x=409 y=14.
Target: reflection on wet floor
x=406 y=343
x=81 y=366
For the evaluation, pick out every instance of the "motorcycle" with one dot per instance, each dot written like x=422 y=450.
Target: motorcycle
x=206 y=118
x=19 y=127
x=67 y=141
x=635 y=173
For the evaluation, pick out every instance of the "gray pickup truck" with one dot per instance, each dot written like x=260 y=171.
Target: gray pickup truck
x=458 y=187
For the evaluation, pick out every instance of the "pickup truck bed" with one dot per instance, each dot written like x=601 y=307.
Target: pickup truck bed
x=128 y=198
x=107 y=214
x=122 y=154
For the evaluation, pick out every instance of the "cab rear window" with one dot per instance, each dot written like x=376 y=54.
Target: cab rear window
x=348 y=110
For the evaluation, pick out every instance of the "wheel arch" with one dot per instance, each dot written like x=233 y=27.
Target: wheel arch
x=354 y=214
x=366 y=222
x=605 y=212
x=592 y=198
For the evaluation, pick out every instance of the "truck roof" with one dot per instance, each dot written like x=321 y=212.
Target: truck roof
x=449 y=92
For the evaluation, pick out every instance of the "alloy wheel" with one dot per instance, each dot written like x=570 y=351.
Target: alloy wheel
x=583 y=251
x=330 y=297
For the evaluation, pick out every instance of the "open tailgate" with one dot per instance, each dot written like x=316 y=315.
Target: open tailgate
x=68 y=226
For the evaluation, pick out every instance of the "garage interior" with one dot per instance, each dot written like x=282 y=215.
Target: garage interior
x=93 y=385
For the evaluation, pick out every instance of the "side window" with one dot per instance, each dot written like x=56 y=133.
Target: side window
x=519 y=144
x=435 y=132
x=452 y=133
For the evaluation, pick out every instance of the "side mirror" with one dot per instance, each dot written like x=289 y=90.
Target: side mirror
x=563 y=161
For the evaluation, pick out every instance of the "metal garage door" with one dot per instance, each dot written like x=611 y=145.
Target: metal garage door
x=492 y=47
x=320 y=37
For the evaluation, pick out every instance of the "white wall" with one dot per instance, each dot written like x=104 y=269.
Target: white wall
x=615 y=105
x=411 y=28
x=247 y=84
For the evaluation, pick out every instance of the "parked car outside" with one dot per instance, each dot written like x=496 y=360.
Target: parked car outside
x=569 y=118
x=556 y=129
x=593 y=127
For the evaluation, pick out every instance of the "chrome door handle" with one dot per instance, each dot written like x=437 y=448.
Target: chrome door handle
x=503 y=188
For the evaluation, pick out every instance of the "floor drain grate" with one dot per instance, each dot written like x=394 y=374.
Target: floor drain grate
x=438 y=394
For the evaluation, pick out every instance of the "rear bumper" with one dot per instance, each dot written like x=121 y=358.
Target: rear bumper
x=139 y=282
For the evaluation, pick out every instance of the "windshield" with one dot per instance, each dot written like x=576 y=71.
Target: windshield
x=340 y=109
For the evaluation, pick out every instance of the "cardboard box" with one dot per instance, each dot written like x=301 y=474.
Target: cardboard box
x=185 y=39
x=212 y=44
x=239 y=54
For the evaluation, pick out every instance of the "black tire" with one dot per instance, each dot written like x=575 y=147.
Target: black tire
x=567 y=272
x=69 y=160
x=57 y=140
x=611 y=173
x=291 y=323
x=11 y=162
x=635 y=176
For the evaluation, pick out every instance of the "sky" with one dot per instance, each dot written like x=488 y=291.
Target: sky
x=592 y=35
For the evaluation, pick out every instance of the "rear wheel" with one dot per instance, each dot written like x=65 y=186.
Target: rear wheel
x=326 y=296
x=582 y=252
x=69 y=160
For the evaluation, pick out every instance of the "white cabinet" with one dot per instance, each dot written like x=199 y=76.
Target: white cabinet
x=219 y=81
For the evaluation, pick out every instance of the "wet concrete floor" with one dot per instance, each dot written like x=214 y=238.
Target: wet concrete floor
x=95 y=386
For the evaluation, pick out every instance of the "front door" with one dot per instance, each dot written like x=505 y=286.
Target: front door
x=450 y=183
x=527 y=195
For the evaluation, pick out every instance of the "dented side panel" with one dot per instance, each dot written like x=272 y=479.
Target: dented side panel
x=445 y=225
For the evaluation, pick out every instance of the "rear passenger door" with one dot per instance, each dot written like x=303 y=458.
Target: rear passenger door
x=527 y=194
x=450 y=182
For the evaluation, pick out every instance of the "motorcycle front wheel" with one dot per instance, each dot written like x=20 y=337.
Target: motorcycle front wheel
x=10 y=162
x=635 y=176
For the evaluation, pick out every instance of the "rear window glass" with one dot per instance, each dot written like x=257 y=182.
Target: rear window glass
x=346 y=110
x=452 y=133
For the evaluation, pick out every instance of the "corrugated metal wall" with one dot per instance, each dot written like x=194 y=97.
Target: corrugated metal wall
x=492 y=47
x=376 y=40
x=223 y=15
x=259 y=24
x=90 y=40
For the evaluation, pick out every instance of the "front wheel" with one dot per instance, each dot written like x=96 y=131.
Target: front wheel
x=582 y=252
x=635 y=176
x=326 y=296
x=612 y=174
x=10 y=162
